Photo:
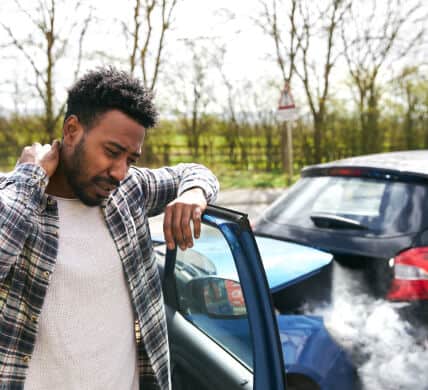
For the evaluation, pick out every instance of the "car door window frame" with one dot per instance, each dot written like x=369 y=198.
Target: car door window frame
x=269 y=366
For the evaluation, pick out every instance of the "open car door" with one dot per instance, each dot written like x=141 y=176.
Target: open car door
x=222 y=328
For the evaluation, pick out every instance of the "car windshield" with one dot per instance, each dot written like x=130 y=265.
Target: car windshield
x=380 y=206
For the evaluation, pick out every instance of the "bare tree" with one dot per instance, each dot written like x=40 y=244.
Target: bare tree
x=44 y=46
x=374 y=38
x=284 y=36
x=410 y=91
x=150 y=23
x=315 y=72
x=283 y=32
x=234 y=113
x=193 y=93
x=309 y=27
x=266 y=127
x=195 y=127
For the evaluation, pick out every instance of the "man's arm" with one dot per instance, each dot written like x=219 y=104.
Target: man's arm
x=182 y=192
x=20 y=192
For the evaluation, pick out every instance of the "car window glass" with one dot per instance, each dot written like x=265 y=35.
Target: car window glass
x=382 y=206
x=210 y=295
x=352 y=196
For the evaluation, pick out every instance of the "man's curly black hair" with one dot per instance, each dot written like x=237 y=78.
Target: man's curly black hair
x=106 y=89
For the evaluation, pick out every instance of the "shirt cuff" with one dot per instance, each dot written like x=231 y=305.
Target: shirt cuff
x=33 y=179
x=205 y=187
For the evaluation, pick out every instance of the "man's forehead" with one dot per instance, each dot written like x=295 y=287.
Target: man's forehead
x=121 y=131
x=123 y=148
x=118 y=121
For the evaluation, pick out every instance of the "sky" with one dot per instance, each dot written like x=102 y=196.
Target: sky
x=227 y=22
x=230 y=22
x=246 y=46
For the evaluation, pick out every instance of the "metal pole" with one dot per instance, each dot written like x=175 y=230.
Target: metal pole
x=284 y=148
x=290 y=153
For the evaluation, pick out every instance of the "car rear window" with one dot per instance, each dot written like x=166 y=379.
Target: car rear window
x=381 y=206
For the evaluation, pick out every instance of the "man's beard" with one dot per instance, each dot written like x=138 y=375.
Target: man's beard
x=74 y=170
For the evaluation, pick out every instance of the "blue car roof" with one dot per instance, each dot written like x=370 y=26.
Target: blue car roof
x=287 y=263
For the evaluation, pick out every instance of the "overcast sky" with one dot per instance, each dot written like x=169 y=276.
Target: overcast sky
x=231 y=22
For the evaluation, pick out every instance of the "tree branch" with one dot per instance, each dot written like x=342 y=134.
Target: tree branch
x=166 y=23
x=135 y=36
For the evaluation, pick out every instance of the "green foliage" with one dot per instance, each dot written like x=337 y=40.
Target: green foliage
x=17 y=132
x=247 y=153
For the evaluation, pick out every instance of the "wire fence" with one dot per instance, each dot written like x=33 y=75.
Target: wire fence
x=253 y=157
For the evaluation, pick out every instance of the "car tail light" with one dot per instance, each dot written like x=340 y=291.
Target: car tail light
x=410 y=275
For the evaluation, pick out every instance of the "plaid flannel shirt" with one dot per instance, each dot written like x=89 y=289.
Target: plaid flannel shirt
x=28 y=250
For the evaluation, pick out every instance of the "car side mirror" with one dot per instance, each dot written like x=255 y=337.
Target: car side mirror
x=217 y=297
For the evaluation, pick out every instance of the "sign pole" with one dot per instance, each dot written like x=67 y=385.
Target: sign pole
x=290 y=153
x=287 y=151
x=287 y=112
x=284 y=152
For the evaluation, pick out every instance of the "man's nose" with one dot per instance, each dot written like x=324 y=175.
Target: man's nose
x=119 y=169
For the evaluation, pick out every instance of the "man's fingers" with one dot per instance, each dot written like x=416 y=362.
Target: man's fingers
x=45 y=151
x=176 y=226
x=179 y=216
x=167 y=228
x=46 y=156
x=54 y=149
x=197 y=215
x=185 y=226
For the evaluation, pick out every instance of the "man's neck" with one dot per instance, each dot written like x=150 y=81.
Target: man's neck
x=58 y=183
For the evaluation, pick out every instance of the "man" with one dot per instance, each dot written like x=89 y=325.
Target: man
x=80 y=296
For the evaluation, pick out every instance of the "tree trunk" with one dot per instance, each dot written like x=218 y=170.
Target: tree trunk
x=318 y=127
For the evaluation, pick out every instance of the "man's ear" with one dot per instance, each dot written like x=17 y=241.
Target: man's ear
x=72 y=131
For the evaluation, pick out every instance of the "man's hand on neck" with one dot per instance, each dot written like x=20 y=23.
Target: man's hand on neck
x=46 y=156
x=49 y=158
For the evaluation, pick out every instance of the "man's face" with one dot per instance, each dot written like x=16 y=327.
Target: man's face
x=98 y=159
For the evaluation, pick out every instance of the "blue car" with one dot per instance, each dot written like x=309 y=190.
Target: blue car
x=224 y=331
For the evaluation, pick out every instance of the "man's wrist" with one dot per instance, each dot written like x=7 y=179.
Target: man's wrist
x=197 y=189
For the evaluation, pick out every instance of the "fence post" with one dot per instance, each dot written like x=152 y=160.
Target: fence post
x=166 y=150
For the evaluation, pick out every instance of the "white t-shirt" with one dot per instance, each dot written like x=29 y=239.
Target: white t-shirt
x=86 y=337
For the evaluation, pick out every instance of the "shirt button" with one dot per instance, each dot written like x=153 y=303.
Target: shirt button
x=26 y=359
x=46 y=274
x=34 y=176
x=50 y=201
x=34 y=318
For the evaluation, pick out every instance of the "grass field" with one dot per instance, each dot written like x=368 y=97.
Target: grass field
x=231 y=178
x=250 y=179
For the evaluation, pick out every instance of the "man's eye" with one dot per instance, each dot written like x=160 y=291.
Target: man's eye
x=112 y=153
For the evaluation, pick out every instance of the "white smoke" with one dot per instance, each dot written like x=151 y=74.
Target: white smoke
x=390 y=353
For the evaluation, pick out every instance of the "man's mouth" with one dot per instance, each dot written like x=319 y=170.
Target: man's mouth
x=104 y=189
